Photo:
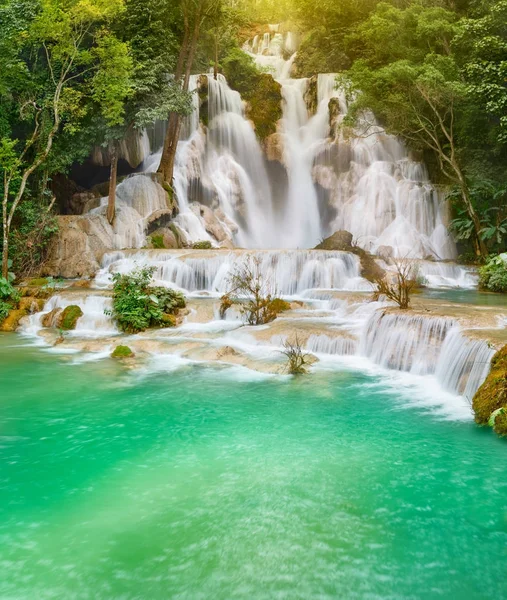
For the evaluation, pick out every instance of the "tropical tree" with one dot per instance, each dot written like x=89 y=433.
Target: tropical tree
x=409 y=77
x=61 y=57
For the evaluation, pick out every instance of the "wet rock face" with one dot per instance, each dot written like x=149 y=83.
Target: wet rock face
x=75 y=251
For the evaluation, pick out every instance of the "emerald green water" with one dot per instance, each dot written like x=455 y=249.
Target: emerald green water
x=193 y=484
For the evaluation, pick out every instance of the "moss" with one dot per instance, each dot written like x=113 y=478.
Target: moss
x=501 y=423
x=202 y=90
x=278 y=305
x=122 y=352
x=31 y=304
x=264 y=107
x=260 y=91
x=38 y=281
x=69 y=317
x=203 y=245
x=492 y=394
x=157 y=241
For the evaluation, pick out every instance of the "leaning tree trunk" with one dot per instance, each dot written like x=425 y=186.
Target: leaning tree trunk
x=186 y=59
x=111 y=202
x=480 y=246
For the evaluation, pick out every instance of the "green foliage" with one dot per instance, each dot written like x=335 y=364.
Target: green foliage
x=493 y=275
x=138 y=306
x=259 y=90
x=203 y=245
x=157 y=241
x=9 y=297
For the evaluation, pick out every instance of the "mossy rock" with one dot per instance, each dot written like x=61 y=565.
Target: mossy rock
x=31 y=304
x=260 y=91
x=69 y=317
x=122 y=352
x=202 y=245
x=279 y=305
x=38 y=281
x=157 y=241
x=11 y=321
x=500 y=426
x=169 y=320
x=492 y=394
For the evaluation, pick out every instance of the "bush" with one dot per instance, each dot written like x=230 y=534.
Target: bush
x=399 y=287
x=297 y=359
x=493 y=275
x=9 y=298
x=250 y=290
x=138 y=306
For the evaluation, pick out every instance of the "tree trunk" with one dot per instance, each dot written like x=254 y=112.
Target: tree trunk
x=480 y=246
x=187 y=53
x=111 y=202
x=5 y=235
x=215 y=66
x=5 y=253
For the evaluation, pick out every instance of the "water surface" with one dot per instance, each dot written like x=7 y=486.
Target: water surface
x=215 y=483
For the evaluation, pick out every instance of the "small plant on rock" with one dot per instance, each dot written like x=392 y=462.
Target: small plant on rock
x=297 y=360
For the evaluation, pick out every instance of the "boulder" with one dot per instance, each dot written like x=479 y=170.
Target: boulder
x=77 y=248
x=52 y=318
x=340 y=240
x=83 y=202
x=69 y=316
x=164 y=238
x=122 y=352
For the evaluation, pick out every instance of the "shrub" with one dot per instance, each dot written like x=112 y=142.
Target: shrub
x=398 y=288
x=493 y=275
x=138 y=306
x=202 y=245
x=9 y=297
x=249 y=289
x=297 y=359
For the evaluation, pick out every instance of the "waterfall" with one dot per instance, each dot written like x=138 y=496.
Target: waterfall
x=427 y=345
x=286 y=273
x=341 y=346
